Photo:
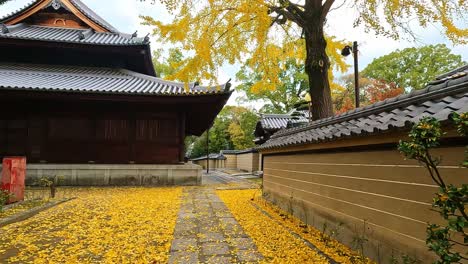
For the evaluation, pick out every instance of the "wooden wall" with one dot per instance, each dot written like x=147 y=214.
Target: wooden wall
x=372 y=191
x=247 y=161
x=93 y=137
x=231 y=161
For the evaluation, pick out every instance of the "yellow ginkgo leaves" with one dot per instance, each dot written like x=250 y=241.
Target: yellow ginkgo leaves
x=109 y=225
x=275 y=241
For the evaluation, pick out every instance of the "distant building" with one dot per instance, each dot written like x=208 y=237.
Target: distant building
x=269 y=124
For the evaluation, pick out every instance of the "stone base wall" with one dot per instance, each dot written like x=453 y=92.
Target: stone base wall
x=116 y=174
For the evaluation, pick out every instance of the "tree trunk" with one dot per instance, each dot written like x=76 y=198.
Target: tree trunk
x=316 y=67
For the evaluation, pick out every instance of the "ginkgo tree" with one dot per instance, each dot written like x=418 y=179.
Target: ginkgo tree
x=266 y=33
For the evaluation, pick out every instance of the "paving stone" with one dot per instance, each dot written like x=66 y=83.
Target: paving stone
x=186 y=215
x=248 y=256
x=231 y=227
x=187 y=226
x=229 y=220
x=219 y=207
x=178 y=233
x=183 y=257
x=235 y=233
x=218 y=259
x=213 y=248
x=183 y=244
x=211 y=237
x=205 y=225
x=186 y=222
x=242 y=243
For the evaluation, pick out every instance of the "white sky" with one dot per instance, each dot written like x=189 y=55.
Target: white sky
x=124 y=15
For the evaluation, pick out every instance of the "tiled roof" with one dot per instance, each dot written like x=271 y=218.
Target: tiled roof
x=243 y=151
x=280 y=121
x=68 y=35
x=274 y=121
x=447 y=94
x=92 y=15
x=212 y=156
x=77 y=3
x=18 y=11
x=229 y=151
x=74 y=79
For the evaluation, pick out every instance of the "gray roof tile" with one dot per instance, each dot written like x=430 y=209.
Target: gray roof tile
x=69 y=35
x=438 y=101
x=279 y=121
x=92 y=15
x=93 y=80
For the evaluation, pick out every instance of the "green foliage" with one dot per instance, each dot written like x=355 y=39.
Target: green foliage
x=166 y=67
x=451 y=200
x=241 y=128
x=4 y=196
x=294 y=85
x=461 y=122
x=232 y=129
x=413 y=68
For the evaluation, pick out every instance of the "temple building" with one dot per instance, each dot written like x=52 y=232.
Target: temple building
x=75 y=92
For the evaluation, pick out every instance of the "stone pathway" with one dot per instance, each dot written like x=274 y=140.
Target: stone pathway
x=206 y=232
x=225 y=181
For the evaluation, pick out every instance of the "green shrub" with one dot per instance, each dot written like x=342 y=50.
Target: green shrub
x=451 y=200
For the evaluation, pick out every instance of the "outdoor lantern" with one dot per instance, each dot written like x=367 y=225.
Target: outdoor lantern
x=346 y=51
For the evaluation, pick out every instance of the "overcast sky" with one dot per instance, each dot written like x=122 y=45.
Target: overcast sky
x=124 y=15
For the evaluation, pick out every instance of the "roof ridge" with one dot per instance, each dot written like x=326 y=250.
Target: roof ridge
x=93 y=15
x=192 y=85
x=70 y=35
x=452 y=72
x=51 y=73
x=79 y=5
x=10 y=14
x=428 y=93
x=135 y=83
x=276 y=115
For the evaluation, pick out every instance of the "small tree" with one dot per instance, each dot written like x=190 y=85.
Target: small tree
x=51 y=182
x=451 y=200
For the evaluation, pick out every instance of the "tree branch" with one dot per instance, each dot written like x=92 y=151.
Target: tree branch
x=293 y=8
x=296 y=18
x=325 y=9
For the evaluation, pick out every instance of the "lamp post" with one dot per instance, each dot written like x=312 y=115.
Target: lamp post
x=345 y=52
x=207 y=150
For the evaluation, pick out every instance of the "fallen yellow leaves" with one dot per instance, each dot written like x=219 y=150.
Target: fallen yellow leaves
x=273 y=240
x=108 y=225
x=21 y=208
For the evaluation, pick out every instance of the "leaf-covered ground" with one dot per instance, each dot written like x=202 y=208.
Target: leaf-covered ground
x=136 y=225
x=27 y=205
x=108 y=225
x=273 y=237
